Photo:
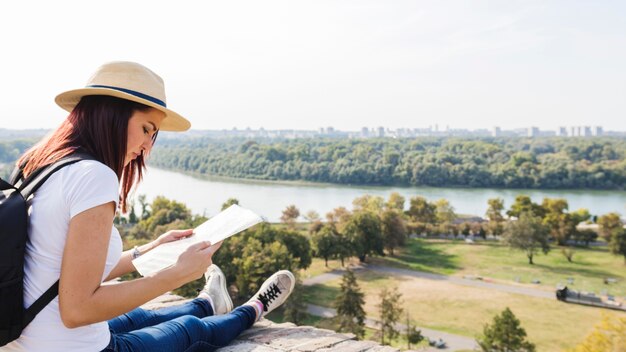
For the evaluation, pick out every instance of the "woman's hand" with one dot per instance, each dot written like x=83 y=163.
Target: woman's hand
x=172 y=235
x=195 y=260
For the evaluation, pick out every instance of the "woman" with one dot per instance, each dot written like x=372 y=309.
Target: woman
x=115 y=119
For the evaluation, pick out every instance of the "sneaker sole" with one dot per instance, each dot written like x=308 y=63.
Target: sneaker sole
x=222 y=278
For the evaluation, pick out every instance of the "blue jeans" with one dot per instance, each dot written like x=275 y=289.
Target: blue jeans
x=188 y=327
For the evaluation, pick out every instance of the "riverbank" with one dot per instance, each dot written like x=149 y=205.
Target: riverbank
x=270 y=198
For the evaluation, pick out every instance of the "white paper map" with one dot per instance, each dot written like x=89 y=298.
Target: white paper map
x=225 y=224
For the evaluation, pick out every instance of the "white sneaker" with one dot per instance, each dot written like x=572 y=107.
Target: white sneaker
x=274 y=291
x=215 y=289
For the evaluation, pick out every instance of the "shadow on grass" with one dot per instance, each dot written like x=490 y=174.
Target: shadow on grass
x=579 y=269
x=321 y=295
x=423 y=256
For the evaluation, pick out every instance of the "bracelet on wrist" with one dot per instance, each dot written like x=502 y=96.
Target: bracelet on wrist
x=136 y=253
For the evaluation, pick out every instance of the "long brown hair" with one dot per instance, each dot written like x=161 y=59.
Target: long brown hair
x=99 y=126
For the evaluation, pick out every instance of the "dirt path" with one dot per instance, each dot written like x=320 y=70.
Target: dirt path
x=453 y=342
x=528 y=291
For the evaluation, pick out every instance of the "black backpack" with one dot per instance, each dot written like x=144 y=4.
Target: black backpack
x=13 y=238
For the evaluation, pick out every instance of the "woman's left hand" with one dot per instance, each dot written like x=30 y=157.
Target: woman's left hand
x=173 y=235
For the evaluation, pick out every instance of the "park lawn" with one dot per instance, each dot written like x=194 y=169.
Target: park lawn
x=441 y=305
x=318 y=267
x=495 y=261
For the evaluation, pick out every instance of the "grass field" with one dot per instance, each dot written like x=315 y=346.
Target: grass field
x=462 y=310
x=492 y=260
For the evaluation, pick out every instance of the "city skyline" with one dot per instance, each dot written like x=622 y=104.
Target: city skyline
x=382 y=131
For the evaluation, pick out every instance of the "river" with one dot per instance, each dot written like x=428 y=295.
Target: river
x=205 y=196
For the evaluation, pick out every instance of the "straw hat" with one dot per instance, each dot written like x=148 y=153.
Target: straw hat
x=131 y=81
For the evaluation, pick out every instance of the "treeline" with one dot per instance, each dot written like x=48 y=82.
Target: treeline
x=547 y=163
x=10 y=151
x=543 y=163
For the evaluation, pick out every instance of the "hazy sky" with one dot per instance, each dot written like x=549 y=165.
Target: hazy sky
x=347 y=64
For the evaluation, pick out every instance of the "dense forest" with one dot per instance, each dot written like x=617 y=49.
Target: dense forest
x=548 y=163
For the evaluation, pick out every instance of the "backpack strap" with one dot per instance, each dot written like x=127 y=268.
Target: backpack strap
x=15 y=175
x=40 y=303
x=5 y=186
x=27 y=188
x=39 y=176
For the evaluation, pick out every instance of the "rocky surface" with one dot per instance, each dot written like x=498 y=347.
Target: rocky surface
x=267 y=336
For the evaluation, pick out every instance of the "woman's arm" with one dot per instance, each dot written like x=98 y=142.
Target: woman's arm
x=82 y=299
x=125 y=265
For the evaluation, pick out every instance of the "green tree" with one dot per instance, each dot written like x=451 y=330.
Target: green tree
x=494 y=210
x=395 y=202
x=420 y=210
x=444 y=211
x=349 y=304
x=393 y=229
x=527 y=234
x=369 y=203
x=580 y=215
x=413 y=335
x=617 y=244
x=390 y=308
x=505 y=334
x=523 y=204
x=343 y=248
x=585 y=236
x=609 y=224
x=144 y=206
x=165 y=211
x=260 y=261
x=299 y=246
x=364 y=232
x=558 y=221
x=325 y=242
x=229 y=202
x=132 y=217
x=164 y=216
x=253 y=255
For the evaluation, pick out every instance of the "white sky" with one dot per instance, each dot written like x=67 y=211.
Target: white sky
x=347 y=64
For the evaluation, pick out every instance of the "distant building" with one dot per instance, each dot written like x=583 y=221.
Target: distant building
x=597 y=131
x=365 y=132
x=533 y=132
x=562 y=132
x=497 y=132
x=381 y=132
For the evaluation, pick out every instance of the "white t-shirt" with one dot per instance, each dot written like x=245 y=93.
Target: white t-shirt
x=68 y=192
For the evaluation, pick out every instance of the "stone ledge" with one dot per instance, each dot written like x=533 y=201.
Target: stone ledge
x=267 y=336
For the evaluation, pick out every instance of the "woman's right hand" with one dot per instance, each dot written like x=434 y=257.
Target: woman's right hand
x=195 y=260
